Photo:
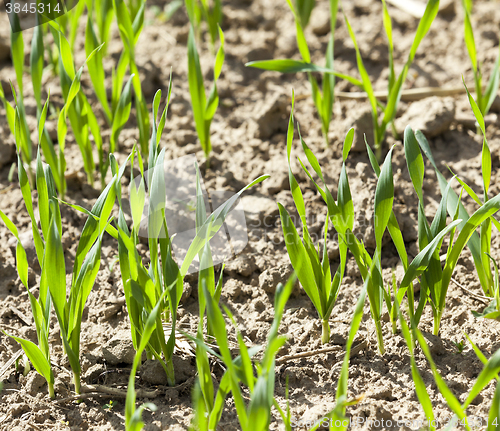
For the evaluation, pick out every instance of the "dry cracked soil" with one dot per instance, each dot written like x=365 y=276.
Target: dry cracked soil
x=248 y=141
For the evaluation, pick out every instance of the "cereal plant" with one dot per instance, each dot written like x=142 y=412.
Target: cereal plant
x=133 y=416
x=130 y=25
x=257 y=414
x=69 y=308
x=313 y=270
x=304 y=10
x=485 y=96
x=485 y=230
x=342 y=216
x=204 y=107
x=437 y=280
x=21 y=129
x=395 y=84
x=77 y=107
x=48 y=208
x=145 y=285
x=208 y=10
x=323 y=100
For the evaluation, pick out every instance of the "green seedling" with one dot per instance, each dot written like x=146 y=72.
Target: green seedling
x=109 y=406
x=337 y=417
x=208 y=10
x=130 y=27
x=485 y=96
x=204 y=107
x=133 y=416
x=432 y=280
x=487 y=374
x=96 y=69
x=17 y=54
x=422 y=264
x=116 y=114
x=304 y=10
x=69 y=309
x=94 y=39
x=341 y=215
x=474 y=243
x=145 y=285
x=77 y=107
x=313 y=271
x=492 y=311
x=257 y=414
x=396 y=82
x=103 y=17
x=48 y=209
x=436 y=279
x=397 y=239
x=44 y=140
x=384 y=198
x=16 y=116
x=486 y=226
x=322 y=99
x=459 y=345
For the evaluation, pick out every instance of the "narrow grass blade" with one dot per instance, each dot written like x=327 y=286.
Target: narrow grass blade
x=384 y=197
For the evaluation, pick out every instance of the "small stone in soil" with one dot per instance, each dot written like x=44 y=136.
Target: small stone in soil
x=260 y=211
x=19 y=408
x=120 y=349
x=7 y=150
x=270 y=278
x=362 y=122
x=243 y=265
x=432 y=116
x=29 y=246
x=34 y=382
x=435 y=343
x=270 y=113
x=152 y=371
x=94 y=372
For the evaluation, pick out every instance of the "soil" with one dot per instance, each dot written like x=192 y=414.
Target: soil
x=248 y=141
